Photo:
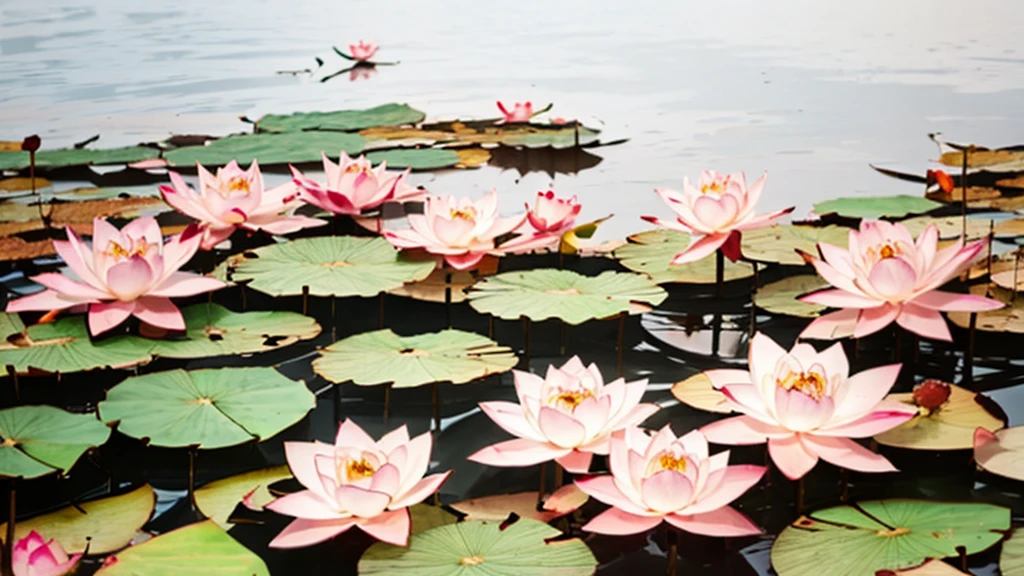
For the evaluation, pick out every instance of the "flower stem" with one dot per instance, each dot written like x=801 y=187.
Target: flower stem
x=963 y=186
x=193 y=453
x=621 y=344
x=719 y=273
x=541 y=484
x=673 y=551
x=436 y=401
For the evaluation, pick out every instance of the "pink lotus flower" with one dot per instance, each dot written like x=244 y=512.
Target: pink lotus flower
x=887 y=276
x=521 y=112
x=568 y=416
x=462 y=231
x=363 y=51
x=662 y=477
x=33 y=556
x=354 y=186
x=714 y=213
x=355 y=482
x=130 y=272
x=235 y=198
x=804 y=404
x=546 y=221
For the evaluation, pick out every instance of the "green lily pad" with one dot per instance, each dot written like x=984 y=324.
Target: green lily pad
x=563 y=294
x=950 y=227
x=77 y=157
x=780 y=297
x=545 y=137
x=877 y=206
x=778 y=244
x=102 y=525
x=38 y=440
x=288 y=147
x=482 y=548
x=213 y=330
x=210 y=408
x=427 y=516
x=1011 y=559
x=885 y=535
x=652 y=252
x=200 y=548
x=342 y=120
x=416 y=158
x=218 y=499
x=382 y=356
x=334 y=265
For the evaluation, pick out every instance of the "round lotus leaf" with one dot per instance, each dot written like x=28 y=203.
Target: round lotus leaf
x=427 y=516
x=342 y=120
x=877 y=206
x=1009 y=318
x=433 y=287
x=416 y=158
x=101 y=526
x=885 y=535
x=950 y=227
x=930 y=568
x=652 y=252
x=213 y=330
x=210 y=408
x=497 y=508
x=482 y=548
x=201 y=548
x=778 y=244
x=218 y=499
x=289 y=147
x=698 y=392
x=77 y=157
x=780 y=297
x=38 y=440
x=382 y=357
x=563 y=294
x=332 y=265
x=1004 y=455
x=949 y=427
x=1011 y=559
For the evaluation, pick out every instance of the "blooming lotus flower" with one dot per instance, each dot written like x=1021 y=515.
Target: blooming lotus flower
x=355 y=482
x=546 y=221
x=715 y=212
x=521 y=112
x=33 y=556
x=662 y=477
x=127 y=272
x=567 y=416
x=462 y=231
x=887 y=276
x=806 y=406
x=363 y=51
x=354 y=186
x=235 y=198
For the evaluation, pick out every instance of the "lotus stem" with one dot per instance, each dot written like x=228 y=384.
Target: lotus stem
x=380 y=311
x=963 y=187
x=490 y=327
x=387 y=402
x=716 y=333
x=334 y=325
x=14 y=380
x=244 y=296
x=6 y=567
x=844 y=481
x=541 y=485
x=436 y=401
x=988 y=259
x=969 y=357
x=336 y=400
x=193 y=453
x=305 y=300
x=621 y=344
x=448 y=300
x=800 y=495
x=963 y=558
x=526 y=342
x=563 y=336
x=673 y=551
x=719 y=273
x=559 y=477
x=1016 y=266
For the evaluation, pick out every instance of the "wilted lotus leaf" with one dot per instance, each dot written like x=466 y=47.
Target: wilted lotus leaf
x=1009 y=318
x=652 y=252
x=77 y=157
x=341 y=120
x=472 y=157
x=1011 y=559
x=382 y=356
x=284 y=148
x=879 y=535
x=380 y=137
x=876 y=206
x=38 y=440
x=102 y=525
x=780 y=297
x=218 y=499
x=66 y=213
x=949 y=427
x=200 y=548
x=779 y=243
x=950 y=227
x=1012 y=182
x=213 y=330
x=1009 y=279
x=14 y=248
x=1001 y=452
x=697 y=392
x=482 y=548
x=210 y=408
x=977 y=196
x=22 y=184
x=991 y=160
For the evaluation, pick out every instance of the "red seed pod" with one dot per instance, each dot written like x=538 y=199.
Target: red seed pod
x=931 y=394
x=31 y=143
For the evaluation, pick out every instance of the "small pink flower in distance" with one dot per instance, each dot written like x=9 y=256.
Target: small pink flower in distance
x=804 y=404
x=33 y=556
x=354 y=185
x=567 y=416
x=363 y=51
x=663 y=478
x=521 y=112
x=546 y=221
x=127 y=272
x=235 y=198
x=715 y=212
x=355 y=482
x=887 y=276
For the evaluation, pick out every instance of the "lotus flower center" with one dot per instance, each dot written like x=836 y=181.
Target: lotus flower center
x=467 y=213
x=137 y=248
x=887 y=251
x=810 y=383
x=715 y=187
x=570 y=399
x=471 y=561
x=238 y=184
x=358 y=469
x=667 y=460
x=357 y=167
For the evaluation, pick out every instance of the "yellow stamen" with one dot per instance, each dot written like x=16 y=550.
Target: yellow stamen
x=467 y=213
x=570 y=399
x=119 y=252
x=713 y=188
x=810 y=383
x=356 y=469
x=471 y=561
x=239 y=184
x=667 y=460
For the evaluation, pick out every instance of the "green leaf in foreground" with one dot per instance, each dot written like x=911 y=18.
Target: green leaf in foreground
x=1011 y=559
x=38 y=440
x=482 y=548
x=290 y=147
x=877 y=206
x=342 y=120
x=77 y=157
x=218 y=499
x=780 y=297
x=652 y=252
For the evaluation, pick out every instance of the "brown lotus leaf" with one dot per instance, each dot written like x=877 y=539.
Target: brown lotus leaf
x=697 y=392
x=524 y=504
x=1006 y=203
x=1001 y=452
x=999 y=264
x=64 y=213
x=982 y=158
x=472 y=157
x=405 y=133
x=432 y=288
x=14 y=248
x=1015 y=182
x=9 y=146
x=19 y=183
x=1009 y=318
x=974 y=194
x=949 y=427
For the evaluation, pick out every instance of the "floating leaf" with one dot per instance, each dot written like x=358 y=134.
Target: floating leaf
x=780 y=297
x=38 y=440
x=950 y=227
x=1009 y=279
x=77 y=157
x=382 y=356
x=1011 y=559
x=993 y=160
x=210 y=408
x=426 y=516
x=472 y=157
x=548 y=137
x=885 y=535
x=523 y=504
x=1009 y=318
x=572 y=242
x=1001 y=452
x=876 y=206
x=218 y=499
x=19 y=184
x=779 y=243
x=950 y=427
x=403 y=136
x=289 y=147
x=930 y=568
x=102 y=525
x=14 y=248
x=433 y=287
x=698 y=392
x=201 y=548
x=482 y=548
x=652 y=252
x=334 y=265
x=66 y=213
x=416 y=158
x=342 y=120
x=562 y=294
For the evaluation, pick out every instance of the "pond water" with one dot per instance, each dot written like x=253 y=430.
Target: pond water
x=811 y=92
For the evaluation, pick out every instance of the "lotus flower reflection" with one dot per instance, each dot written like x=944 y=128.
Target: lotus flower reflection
x=127 y=272
x=521 y=112
x=887 y=276
x=663 y=478
x=806 y=406
x=363 y=51
x=355 y=482
x=354 y=185
x=714 y=213
x=568 y=416
x=33 y=556
x=235 y=198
